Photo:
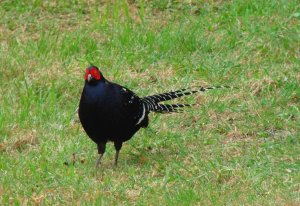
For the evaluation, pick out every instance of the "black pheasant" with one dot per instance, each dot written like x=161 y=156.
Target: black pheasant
x=110 y=112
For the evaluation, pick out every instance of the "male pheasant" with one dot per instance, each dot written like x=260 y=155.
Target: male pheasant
x=110 y=112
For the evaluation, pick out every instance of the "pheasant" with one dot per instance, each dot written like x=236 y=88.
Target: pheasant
x=111 y=112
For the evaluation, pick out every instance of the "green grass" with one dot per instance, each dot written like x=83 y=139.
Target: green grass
x=240 y=147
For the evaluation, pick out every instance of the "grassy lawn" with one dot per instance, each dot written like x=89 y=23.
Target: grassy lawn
x=238 y=147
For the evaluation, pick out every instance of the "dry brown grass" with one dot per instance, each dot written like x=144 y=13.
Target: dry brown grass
x=2 y=147
x=257 y=86
x=20 y=139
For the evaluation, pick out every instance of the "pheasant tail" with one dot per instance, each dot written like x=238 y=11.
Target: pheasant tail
x=152 y=103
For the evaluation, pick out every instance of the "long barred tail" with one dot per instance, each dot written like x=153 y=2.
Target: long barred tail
x=152 y=103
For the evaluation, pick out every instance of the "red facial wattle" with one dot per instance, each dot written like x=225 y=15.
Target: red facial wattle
x=94 y=73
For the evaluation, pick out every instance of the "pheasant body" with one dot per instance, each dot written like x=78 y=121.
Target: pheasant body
x=110 y=112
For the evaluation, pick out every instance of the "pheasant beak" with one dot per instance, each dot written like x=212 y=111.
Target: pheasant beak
x=89 y=77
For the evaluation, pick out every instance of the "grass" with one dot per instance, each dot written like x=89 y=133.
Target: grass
x=239 y=147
